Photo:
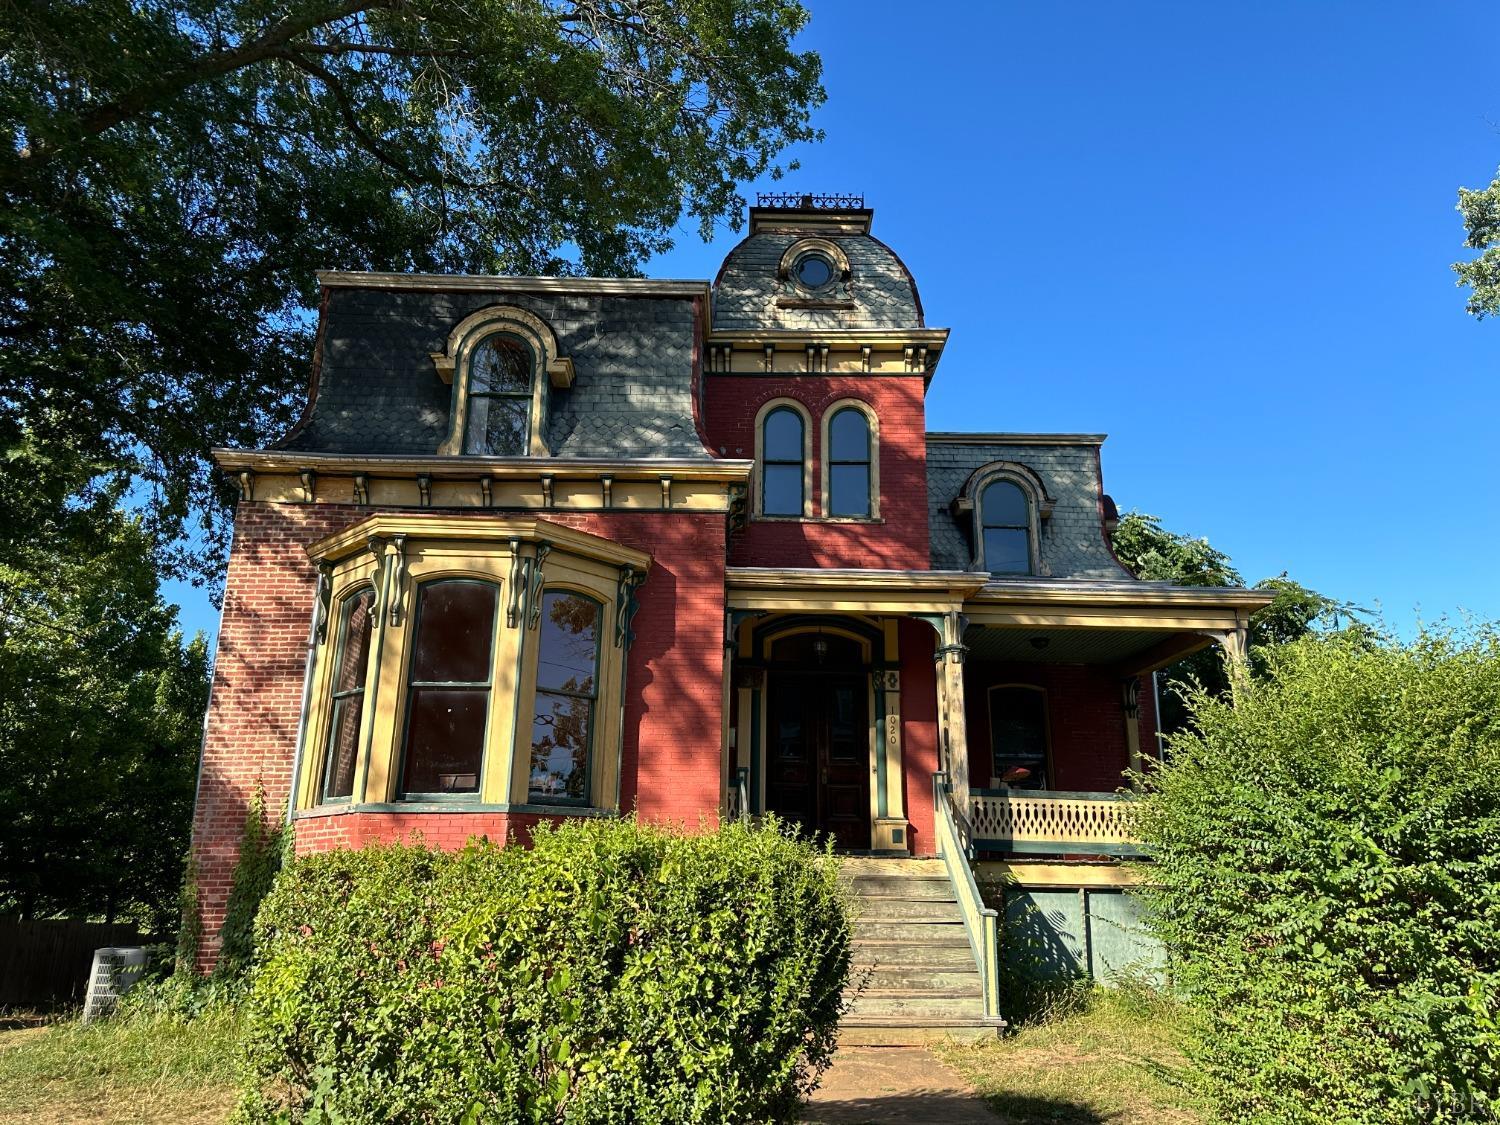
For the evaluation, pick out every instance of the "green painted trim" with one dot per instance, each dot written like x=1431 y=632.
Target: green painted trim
x=755 y=751
x=1056 y=847
x=438 y=804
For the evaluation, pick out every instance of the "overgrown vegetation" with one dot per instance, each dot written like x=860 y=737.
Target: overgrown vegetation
x=1328 y=861
x=1098 y=1055
x=611 y=972
x=264 y=849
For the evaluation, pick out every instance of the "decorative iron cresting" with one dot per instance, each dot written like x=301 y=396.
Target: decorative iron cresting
x=799 y=201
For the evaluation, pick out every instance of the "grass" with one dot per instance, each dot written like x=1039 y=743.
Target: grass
x=149 y=1067
x=1105 y=1057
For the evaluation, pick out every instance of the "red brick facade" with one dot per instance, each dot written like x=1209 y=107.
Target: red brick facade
x=898 y=541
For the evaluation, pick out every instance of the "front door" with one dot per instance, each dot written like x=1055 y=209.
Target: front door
x=818 y=772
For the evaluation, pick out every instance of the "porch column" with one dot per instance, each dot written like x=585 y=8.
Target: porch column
x=1236 y=645
x=1130 y=692
x=955 y=739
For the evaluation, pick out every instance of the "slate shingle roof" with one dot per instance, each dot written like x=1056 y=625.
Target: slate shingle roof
x=378 y=392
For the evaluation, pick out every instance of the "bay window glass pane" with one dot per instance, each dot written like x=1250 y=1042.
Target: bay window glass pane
x=849 y=436
x=560 y=742
x=567 y=676
x=343 y=747
x=497 y=426
x=455 y=625
x=782 y=440
x=569 y=655
x=849 y=490
x=445 y=740
x=357 y=621
x=1018 y=733
x=783 y=490
x=1006 y=550
x=1004 y=504
x=500 y=364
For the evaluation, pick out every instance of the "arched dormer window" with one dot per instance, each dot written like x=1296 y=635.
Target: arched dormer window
x=1005 y=528
x=783 y=454
x=503 y=364
x=1005 y=503
x=851 y=465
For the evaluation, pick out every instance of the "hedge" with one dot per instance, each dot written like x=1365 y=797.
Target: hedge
x=611 y=972
x=1328 y=861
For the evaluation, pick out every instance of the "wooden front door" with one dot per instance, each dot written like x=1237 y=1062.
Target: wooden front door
x=818 y=771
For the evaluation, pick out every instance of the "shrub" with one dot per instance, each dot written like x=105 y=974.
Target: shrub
x=1328 y=860
x=612 y=972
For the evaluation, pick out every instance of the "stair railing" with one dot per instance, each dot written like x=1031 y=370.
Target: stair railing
x=981 y=922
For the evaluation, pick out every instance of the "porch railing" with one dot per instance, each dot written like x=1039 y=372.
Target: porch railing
x=981 y=923
x=1053 y=822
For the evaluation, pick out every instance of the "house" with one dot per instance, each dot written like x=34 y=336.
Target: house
x=571 y=547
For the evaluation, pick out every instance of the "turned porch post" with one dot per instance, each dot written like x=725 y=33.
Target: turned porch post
x=950 y=655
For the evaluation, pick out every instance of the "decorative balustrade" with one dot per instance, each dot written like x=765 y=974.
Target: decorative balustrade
x=1026 y=821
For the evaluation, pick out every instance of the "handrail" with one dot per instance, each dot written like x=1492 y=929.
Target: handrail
x=739 y=796
x=981 y=922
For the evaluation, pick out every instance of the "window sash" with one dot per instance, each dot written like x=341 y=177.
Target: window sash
x=589 y=697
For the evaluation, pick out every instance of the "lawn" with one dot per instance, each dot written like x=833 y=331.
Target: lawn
x=156 y=1068
x=1109 y=1058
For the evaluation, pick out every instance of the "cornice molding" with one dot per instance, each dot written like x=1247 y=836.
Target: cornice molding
x=949 y=438
x=486 y=529
x=468 y=468
x=1071 y=591
x=850 y=337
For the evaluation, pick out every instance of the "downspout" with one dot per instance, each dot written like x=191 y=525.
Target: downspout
x=1161 y=745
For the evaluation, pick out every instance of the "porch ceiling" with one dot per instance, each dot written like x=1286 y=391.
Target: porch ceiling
x=1075 y=646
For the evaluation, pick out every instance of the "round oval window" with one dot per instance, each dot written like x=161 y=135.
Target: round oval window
x=813 y=270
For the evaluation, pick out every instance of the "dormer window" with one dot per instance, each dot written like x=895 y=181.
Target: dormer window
x=500 y=394
x=814 y=270
x=503 y=364
x=1005 y=520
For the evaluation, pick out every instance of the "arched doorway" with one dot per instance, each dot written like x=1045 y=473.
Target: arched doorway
x=818 y=736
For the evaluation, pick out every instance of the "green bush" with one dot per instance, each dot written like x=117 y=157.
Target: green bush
x=1328 y=860
x=612 y=972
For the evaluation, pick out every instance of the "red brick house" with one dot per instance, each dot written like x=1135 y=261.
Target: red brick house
x=546 y=548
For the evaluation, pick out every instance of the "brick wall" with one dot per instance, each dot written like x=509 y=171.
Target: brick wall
x=919 y=733
x=670 y=768
x=1085 y=714
x=900 y=541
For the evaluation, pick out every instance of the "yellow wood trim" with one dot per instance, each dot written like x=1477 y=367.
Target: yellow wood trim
x=1062 y=874
x=470 y=467
x=470 y=531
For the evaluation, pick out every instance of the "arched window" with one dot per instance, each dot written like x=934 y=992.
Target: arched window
x=850 y=481
x=1005 y=528
x=567 y=688
x=448 y=691
x=341 y=750
x=500 y=396
x=1018 y=737
x=783 y=467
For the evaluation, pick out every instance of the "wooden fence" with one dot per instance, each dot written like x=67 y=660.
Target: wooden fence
x=45 y=963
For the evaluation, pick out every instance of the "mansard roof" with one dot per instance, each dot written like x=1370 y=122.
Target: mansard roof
x=631 y=342
x=1065 y=466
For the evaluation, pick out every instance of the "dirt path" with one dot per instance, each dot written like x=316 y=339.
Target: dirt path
x=876 y=1085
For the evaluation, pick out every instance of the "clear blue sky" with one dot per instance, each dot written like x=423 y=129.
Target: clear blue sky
x=1219 y=233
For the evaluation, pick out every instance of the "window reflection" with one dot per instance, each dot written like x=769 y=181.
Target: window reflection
x=782 y=463
x=566 y=691
x=1006 y=529
x=348 y=695
x=499 y=398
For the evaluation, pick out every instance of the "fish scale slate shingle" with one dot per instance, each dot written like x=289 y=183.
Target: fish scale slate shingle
x=879 y=286
x=1072 y=542
x=379 y=394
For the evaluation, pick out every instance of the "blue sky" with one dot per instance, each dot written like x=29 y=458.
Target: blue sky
x=1220 y=233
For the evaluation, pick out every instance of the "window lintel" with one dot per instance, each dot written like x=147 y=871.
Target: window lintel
x=1031 y=484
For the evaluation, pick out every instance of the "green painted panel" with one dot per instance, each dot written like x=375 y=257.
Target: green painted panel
x=1063 y=932
x=1122 y=945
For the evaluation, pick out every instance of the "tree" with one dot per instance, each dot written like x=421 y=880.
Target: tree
x=101 y=707
x=1155 y=554
x=1481 y=212
x=173 y=172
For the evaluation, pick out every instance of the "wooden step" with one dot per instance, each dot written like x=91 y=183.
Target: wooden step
x=919 y=1007
x=906 y=910
x=903 y=886
x=881 y=929
x=873 y=1031
x=918 y=978
x=944 y=953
